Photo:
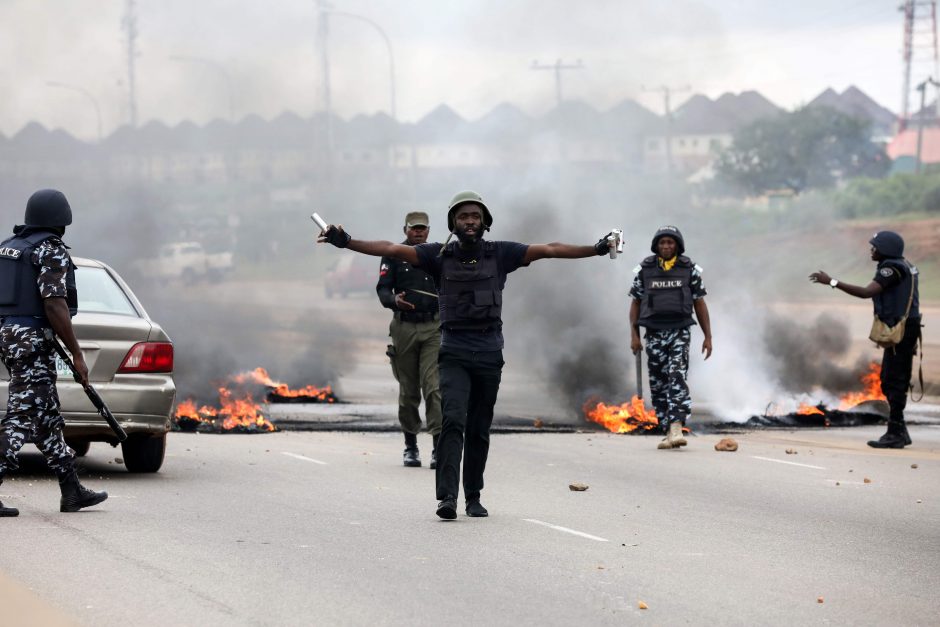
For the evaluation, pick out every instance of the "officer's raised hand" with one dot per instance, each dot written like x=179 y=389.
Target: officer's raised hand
x=820 y=277
x=603 y=245
x=334 y=235
x=402 y=304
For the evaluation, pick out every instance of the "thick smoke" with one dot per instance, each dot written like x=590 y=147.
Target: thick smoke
x=806 y=356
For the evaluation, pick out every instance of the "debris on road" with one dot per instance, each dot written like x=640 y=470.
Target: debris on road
x=866 y=480
x=819 y=599
x=118 y=460
x=791 y=451
x=913 y=465
x=726 y=444
x=642 y=605
x=577 y=487
x=538 y=423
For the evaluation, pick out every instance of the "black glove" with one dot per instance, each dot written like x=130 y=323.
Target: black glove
x=337 y=236
x=602 y=247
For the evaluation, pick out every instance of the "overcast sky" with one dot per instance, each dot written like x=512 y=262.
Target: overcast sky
x=470 y=54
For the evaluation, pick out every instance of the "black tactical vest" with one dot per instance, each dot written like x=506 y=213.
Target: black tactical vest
x=19 y=294
x=471 y=298
x=667 y=296
x=415 y=282
x=891 y=304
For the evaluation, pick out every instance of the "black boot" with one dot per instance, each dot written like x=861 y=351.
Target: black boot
x=475 y=509
x=905 y=434
x=75 y=496
x=447 y=508
x=411 y=457
x=894 y=437
x=7 y=512
x=434 y=439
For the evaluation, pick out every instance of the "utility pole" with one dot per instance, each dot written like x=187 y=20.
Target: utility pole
x=130 y=31
x=667 y=95
x=558 y=67
x=920 y=52
x=922 y=88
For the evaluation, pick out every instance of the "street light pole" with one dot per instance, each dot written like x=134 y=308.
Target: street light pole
x=85 y=93
x=388 y=46
x=218 y=67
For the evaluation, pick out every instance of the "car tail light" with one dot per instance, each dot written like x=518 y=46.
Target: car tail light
x=148 y=357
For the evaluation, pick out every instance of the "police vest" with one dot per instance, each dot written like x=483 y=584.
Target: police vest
x=415 y=282
x=891 y=304
x=471 y=298
x=667 y=296
x=19 y=294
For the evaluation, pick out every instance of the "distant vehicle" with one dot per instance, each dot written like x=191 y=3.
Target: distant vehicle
x=130 y=363
x=187 y=261
x=351 y=274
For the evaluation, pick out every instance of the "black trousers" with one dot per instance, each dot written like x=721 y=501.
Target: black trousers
x=896 y=368
x=469 y=384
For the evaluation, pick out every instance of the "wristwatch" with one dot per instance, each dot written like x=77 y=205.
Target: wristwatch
x=833 y=283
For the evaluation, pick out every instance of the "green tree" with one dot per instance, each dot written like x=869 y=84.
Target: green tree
x=810 y=148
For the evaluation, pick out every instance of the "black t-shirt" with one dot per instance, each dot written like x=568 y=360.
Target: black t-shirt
x=510 y=256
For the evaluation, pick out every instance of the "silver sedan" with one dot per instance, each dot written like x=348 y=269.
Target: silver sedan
x=130 y=363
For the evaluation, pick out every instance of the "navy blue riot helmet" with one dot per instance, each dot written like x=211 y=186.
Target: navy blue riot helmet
x=889 y=244
x=48 y=207
x=669 y=231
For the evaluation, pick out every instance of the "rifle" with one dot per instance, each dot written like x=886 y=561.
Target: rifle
x=92 y=394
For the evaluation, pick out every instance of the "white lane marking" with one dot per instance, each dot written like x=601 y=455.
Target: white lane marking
x=780 y=461
x=566 y=530
x=306 y=459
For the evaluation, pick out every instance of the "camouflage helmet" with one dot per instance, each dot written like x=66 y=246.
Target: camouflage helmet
x=48 y=207
x=463 y=198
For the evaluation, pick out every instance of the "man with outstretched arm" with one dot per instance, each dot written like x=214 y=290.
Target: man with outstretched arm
x=469 y=275
x=894 y=295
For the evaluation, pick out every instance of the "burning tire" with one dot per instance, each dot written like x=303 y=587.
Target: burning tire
x=144 y=453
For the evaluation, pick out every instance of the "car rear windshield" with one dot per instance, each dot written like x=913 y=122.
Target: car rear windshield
x=98 y=293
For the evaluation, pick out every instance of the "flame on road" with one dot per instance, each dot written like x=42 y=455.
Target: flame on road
x=260 y=375
x=624 y=418
x=871 y=391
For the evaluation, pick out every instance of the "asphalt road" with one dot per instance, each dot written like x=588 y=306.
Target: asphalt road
x=327 y=528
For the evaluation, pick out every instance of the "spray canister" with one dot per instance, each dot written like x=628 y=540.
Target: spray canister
x=615 y=240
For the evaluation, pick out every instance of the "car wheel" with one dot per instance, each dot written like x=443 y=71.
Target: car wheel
x=79 y=446
x=144 y=453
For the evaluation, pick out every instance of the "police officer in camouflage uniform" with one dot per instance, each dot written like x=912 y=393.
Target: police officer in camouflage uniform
x=893 y=290
x=470 y=275
x=416 y=340
x=37 y=300
x=666 y=289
